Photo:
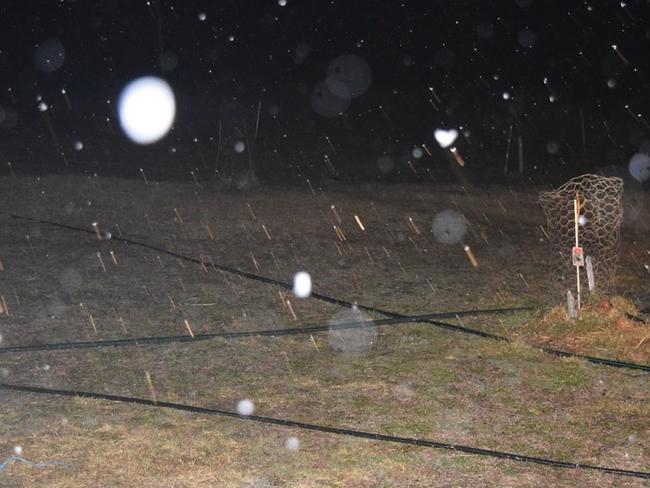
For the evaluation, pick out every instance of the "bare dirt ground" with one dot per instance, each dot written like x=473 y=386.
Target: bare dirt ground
x=412 y=380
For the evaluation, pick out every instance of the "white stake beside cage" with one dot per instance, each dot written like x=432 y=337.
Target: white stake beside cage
x=570 y=305
x=598 y=206
x=590 y=274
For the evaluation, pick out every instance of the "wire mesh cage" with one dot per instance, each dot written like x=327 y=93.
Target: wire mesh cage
x=598 y=201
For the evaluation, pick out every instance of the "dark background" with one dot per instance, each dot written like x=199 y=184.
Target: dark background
x=554 y=59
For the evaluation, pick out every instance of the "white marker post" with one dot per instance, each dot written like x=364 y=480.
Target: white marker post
x=570 y=305
x=590 y=274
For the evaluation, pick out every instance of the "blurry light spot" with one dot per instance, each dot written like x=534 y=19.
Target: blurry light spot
x=147 y=109
x=449 y=227
x=385 y=164
x=353 y=341
x=445 y=137
x=50 y=55
x=639 y=167
x=292 y=444
x=302 y=284
x=552 y=147
x=348 y=76
x=245 y=407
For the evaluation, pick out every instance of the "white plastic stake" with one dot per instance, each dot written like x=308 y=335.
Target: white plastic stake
x=570 y=305
x=590 y=274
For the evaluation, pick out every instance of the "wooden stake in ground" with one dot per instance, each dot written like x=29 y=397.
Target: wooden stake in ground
x=577 y=256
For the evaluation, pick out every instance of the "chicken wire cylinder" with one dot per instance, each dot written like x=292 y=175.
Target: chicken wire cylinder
x=600 y=216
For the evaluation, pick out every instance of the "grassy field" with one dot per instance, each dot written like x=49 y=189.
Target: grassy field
x=411 y=380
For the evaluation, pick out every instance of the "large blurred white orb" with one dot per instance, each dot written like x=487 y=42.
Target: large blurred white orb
x=639 y=167
x=449 y=227
x=348 y=76
x=302 y=284
x=50 y=55
x=147 y=108
x=352 y=341
x=245 y=407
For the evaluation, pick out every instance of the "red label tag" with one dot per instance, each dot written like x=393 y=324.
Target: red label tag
x=577 y=256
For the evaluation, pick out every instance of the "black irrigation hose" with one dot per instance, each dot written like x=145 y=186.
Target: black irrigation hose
x=331 y=430
x=263 y=279
x=636 y=318
x=337 y=301
x=596 y=360
x=309 y=329
x=156 y=340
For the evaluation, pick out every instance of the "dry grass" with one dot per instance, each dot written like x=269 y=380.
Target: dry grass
x=605 y=327
x=412 y=380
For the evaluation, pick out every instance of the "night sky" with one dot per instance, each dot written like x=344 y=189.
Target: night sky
x=546 y=71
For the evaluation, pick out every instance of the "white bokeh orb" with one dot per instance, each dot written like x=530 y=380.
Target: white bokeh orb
x=639 y=167
x=351 y=341
x=449 y=227
x=50 y=55
x=348 y=76
x=245 y=407
x=302 y=284
x=147 y=108
x=292 y=443
x=445 y=137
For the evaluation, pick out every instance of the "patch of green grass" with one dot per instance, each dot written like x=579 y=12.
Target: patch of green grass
x=560 y=375
x=464 y=463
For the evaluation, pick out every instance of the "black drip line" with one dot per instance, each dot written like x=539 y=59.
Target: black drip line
x=307 y=329
x=395 y=319
x=319 y=296
x=331 y=430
